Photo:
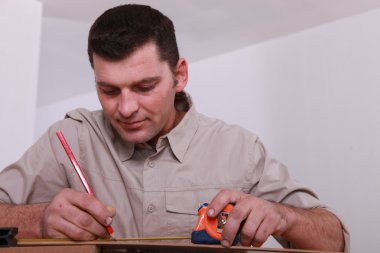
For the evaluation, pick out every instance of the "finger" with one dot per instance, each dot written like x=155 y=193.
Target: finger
x=238 y=214
x=93 y=206
x=51 y=230
x=109 y=219
x=263 y=232
x=74 y=232
x=112 y=210
x=248 y=230
x=55 y=226
x=223 y=198
x=270 y=224
x=84 y=221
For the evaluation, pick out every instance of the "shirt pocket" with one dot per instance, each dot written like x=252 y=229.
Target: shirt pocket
x=182 y=209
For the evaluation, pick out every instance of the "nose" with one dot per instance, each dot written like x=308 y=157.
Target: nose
x=128 y=104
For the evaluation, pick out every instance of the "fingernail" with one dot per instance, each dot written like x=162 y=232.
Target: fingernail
x=225 y=243
x=210 y=212
x=108 y=221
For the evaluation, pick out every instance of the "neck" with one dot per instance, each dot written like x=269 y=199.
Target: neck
x=177 y=119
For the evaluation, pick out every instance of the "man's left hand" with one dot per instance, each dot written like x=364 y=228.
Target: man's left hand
x=257 y=218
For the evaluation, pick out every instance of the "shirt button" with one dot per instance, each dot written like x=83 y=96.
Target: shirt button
x=151 y=164
x=151 y=208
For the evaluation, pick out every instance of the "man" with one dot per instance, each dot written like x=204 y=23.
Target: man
x=151 y=158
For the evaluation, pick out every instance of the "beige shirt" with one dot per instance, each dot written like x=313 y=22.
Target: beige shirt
x=156 y=191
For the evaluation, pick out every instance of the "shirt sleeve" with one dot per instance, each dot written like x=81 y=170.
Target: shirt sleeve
x=277 y=185
x=36 y=177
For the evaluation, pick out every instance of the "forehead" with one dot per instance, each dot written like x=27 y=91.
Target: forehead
x=142 y=63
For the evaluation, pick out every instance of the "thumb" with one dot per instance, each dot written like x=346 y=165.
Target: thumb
x=112 y=210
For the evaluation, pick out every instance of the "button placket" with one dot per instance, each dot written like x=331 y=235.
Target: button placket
x=151 y=208
x=151 y=164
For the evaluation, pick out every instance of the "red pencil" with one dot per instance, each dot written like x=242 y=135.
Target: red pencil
x=80 y=173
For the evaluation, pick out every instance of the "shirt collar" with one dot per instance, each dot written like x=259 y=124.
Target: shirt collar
x=180 y=136
x=124 y=149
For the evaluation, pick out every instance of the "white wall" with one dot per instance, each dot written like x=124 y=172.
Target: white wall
x=63 y=60
x=313 y=98
x=48 y=114
x=20 y=29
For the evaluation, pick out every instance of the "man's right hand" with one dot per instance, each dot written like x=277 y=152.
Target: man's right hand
x=76 y=215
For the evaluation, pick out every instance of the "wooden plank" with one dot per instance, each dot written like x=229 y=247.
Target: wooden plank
x=153 y=246
x=53 y=249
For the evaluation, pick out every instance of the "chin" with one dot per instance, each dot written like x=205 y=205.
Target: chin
x=134 y=139
x=138 y=136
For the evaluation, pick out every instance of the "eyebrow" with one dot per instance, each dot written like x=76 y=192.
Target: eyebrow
x=142 y=81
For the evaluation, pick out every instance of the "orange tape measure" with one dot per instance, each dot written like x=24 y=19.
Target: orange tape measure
x=213 y=226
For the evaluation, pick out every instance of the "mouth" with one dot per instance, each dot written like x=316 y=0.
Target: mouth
x=131 y=124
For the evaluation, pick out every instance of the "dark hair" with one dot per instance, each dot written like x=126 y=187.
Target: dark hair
x=119 y=31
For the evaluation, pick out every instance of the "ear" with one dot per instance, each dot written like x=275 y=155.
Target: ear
x=181 y=75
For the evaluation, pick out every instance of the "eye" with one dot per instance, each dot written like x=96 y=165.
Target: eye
x=110 y=92
x=145 y=88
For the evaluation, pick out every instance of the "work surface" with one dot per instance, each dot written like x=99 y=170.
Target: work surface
x=99 y=246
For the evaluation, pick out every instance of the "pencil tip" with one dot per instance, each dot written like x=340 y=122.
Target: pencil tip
x=111 y=233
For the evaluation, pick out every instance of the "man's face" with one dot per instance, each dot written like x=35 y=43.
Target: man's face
x=137 y=94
